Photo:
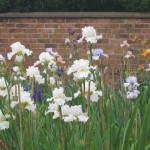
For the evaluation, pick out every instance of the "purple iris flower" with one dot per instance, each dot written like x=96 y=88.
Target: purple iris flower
x=59 y=71
x=38 y=94
x=78 y=37
x=26 y=89
x=71 y=31
x=5 y=55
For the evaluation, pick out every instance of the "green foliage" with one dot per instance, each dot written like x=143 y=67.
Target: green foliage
x=74 y=5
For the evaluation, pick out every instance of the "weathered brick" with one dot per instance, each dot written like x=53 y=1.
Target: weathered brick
x=28 y=20
x=17 y=30
x=29 y=40
x=72 y=21
x=145 y=20
x=60 y=30
x=45 y=30
x=33 y=35
x=119 y=30
x=40 y=33
x=126 y=25
x=43 y=40
x=6 y=35
x=142 y=25
x=51 y=25
x=40 y=46
x=8 y=25
x=23 y=25
x=30 y=30
x=19 y=35
x=146 y=31
x=117 y=20
x=111 y=25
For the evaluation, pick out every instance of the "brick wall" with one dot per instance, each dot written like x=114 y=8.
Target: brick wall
x=38 y=31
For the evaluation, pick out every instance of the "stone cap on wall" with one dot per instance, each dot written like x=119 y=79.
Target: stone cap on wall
x=129 y=15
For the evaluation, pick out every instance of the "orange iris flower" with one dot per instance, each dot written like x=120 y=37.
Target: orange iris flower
x=146 y=53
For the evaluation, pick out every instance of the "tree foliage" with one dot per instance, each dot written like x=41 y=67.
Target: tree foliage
x=74 y=5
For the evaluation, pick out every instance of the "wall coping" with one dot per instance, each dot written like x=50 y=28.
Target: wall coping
x=76 y=15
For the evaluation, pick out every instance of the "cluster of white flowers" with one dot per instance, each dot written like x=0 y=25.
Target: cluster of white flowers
x=3 y=88
x=80 y=69
x=3 y=123
x=89 y=34
x=69 y=114
x=94 y=94
x=25 y=98
x=18 y=49
x=33 y=72
x=73 y=113
x=17 y=72
x=46 y=59
x=59 y=97
x=131 y=86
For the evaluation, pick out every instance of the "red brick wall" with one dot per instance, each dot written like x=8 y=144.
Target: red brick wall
x=39 y=33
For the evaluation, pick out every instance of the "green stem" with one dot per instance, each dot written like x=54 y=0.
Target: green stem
x=90 y=57
x=20 y=114
x=88 y=122
x=62 y=131
x=8 y=93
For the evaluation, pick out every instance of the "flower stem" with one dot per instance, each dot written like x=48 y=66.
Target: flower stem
x=90 y=57
x=62 y=131
x=20 y=114
x=88 y=122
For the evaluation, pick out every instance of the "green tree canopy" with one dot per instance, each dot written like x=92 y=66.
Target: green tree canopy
x=74 y=5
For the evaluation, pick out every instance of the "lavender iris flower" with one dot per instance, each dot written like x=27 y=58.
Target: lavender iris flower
x=71 y=31
x=97 y=53
x=49 y=50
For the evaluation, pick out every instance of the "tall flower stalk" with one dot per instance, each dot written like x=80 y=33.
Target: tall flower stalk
x=88 y=122
x=21 y=117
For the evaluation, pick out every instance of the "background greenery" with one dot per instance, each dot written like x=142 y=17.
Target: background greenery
x=74 y=5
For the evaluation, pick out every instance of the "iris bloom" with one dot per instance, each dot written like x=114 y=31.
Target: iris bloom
x=141 y=68
x=124 y=44
x=97 y=53
x=71 y=31
x=94 y=94
x=129 y=55
x=18 y=49
x=89 y=34
x=80 y=69
x=131 y=86
x=33 y=72
x=146 y=53
x=3 y=88
x=59 y=97
x=3 y=123
x=73 y=113
x=134 y=38
x=25 y=99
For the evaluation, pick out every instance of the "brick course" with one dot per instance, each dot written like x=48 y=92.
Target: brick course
x=37 y=32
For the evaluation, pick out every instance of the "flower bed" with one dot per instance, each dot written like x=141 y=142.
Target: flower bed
x=73 y=105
